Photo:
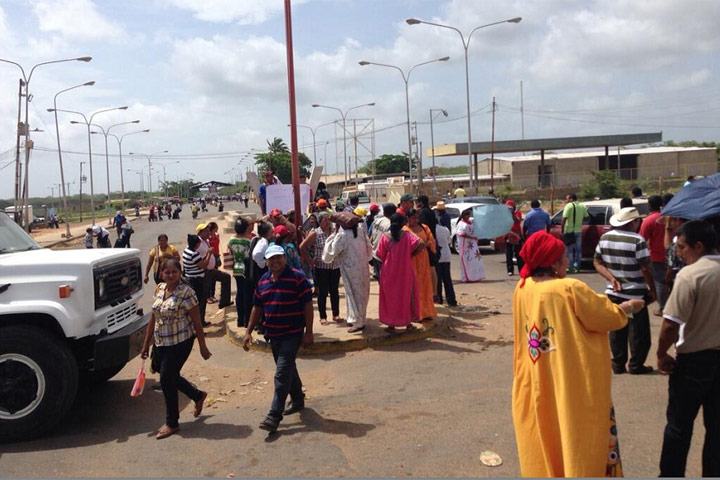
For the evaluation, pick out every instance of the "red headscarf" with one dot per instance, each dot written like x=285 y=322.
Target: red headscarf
x=540 y=250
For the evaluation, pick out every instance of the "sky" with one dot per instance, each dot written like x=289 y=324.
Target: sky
x=208 y=78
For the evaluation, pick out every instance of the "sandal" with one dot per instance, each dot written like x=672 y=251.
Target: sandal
x=411 y=328
x=390 y=330
x=166 y=431
x=199 y=405
x=212 y=300
x=338 y=320
x=323 y=321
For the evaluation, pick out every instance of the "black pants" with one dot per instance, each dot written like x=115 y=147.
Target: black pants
x=215 y=275
x=328 y=281
x=510 y=251
x=443 y=274
x=694 y=382
x=198 y=285
x=637 y=334
x=172 y=360
x=287 y=379
x=377 y=266
x=243 y=300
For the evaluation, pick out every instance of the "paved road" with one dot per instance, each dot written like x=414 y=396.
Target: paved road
x=424 y=409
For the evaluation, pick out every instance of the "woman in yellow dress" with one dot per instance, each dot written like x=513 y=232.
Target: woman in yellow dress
x=562 y=410
x=421 y=264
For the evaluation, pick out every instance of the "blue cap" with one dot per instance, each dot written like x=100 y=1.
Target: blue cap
x=273 y=250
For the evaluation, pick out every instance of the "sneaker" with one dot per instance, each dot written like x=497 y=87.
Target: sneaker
x=293 y=408
x=270 y=424
x=510 y=274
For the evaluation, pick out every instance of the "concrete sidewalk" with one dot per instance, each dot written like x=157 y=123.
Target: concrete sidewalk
x=49 y=237
x=331 y=338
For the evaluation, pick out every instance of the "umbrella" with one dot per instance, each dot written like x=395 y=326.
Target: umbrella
x=491 y=221
x=697 y=201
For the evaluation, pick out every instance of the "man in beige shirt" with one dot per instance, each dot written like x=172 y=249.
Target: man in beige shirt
x=692 y=323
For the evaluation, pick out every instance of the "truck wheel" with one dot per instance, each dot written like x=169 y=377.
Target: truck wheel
x=38 y=382
x=100 y=376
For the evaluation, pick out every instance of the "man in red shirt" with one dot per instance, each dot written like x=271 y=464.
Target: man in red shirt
x=654 y=234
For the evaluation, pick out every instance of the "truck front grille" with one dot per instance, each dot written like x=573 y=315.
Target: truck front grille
x=116 y=281
x=117 y=319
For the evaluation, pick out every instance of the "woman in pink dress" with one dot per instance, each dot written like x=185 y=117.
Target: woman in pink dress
x=399 y=301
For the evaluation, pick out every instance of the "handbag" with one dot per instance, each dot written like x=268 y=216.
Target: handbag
x=139 y=385
x=228 y=260
x=154 y=360
x=346 y=220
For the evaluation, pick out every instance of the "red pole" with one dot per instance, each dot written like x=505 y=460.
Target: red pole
x=293 y=121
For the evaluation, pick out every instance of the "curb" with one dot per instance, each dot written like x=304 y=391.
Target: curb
x=235 y=335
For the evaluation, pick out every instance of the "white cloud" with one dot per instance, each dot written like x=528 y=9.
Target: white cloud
x=244 y=12
x=688 y=80
x=76 y=20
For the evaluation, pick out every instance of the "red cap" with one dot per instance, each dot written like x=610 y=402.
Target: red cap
x=374 y=208
x=275 y=212
x=510 y=203
x=401 y=211
x=281 y=231
x=322 y=203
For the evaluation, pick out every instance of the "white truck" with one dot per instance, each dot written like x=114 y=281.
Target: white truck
x=65 y=316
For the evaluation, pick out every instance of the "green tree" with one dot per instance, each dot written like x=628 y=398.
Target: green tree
x=605 y=184
x=279 y=160
x=388 y=164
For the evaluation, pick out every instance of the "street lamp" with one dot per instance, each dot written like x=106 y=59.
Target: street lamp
x=88 y=123
x=105 y=134
x=164 y=165
x=406 y=79
x=122 y=175
x=26 y=129
x=344 y=118
x=57 y=130
x=149 y=158
x=313 y=131
x=466 y=43
x=432 y=141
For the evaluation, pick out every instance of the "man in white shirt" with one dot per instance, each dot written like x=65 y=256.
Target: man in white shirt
x=691 y=323
x=212 y=274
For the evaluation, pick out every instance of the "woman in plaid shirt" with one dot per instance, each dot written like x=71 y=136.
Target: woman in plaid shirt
x=174 y=324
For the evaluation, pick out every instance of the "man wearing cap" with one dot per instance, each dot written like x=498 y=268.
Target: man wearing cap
x=212 y=274
x=285 y=296
x=276 y=218
x=322 y=206
x=623 y=259
x=406 y=203
x=380 y=225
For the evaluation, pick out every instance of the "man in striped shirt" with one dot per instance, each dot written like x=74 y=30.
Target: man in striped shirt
x=623 y=259
x=284 y=294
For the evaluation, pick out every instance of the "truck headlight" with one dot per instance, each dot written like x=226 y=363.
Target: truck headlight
x=101 y=288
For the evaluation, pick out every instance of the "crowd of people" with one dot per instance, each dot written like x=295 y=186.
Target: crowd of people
x=564 y=331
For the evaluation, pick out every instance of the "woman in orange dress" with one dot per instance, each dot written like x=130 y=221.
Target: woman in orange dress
x=421 y=264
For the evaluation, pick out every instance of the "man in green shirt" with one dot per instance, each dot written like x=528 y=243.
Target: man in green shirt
x=572 y=221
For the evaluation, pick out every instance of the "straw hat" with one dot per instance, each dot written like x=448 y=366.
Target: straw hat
x=624 y=216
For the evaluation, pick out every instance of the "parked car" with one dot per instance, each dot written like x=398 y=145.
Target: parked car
x=597 y=223
x=362 y=195
x=482 y=200
x=455 y=209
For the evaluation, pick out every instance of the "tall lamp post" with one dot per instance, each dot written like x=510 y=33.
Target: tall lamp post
x=62 y=172
x=149 y=159
x=88 y=123
x=105 y=132
x=406 y=79
x=344 y=118
x=466 y=43
x=432 y=142
x=313 y=131
x=142 y=187
x=26 y=132
x=122 y=175
x=164 y=166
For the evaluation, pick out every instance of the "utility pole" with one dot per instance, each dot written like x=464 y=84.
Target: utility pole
x=356 y=153
x=81 y=182
x=492 y=153
x=18 y=163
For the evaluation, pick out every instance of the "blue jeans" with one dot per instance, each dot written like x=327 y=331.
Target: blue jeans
x=574 y=251
x=695 y=382
x=659 y=269
x=287 y=379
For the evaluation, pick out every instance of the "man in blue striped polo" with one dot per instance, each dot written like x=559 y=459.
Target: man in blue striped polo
x=284 y=294
x=623 y=259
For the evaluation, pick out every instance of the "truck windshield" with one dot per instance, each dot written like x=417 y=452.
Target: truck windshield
x=13 y=238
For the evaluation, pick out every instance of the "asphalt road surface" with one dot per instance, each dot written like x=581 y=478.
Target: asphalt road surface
x=423 y=409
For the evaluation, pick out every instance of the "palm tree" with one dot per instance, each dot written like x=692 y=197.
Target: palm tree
x=277 y=146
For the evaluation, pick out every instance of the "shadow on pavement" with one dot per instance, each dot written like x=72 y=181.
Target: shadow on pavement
x=311 y=421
